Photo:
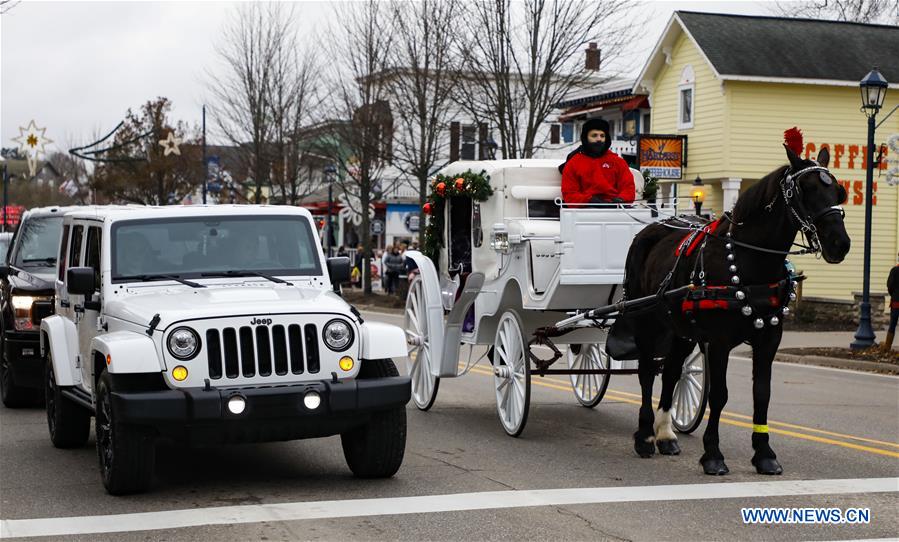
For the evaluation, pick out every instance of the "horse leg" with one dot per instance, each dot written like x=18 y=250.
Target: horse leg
x=712 y=460
x=666 y=440
x=763 y=351
x=646 y=371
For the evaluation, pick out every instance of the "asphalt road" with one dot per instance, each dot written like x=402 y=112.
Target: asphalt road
x=825 y=425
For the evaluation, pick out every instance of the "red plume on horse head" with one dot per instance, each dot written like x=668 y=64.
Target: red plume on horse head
x=793 y=140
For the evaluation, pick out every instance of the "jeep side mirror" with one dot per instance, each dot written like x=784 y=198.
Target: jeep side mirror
x=339 y=270
x=80 y=281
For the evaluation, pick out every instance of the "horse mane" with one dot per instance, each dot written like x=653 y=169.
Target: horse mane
x=758 y=195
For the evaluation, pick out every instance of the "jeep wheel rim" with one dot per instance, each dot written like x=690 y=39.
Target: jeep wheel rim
x=51 y=399
x=104 y=433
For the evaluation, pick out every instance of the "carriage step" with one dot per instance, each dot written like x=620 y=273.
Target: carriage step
x=449 y=362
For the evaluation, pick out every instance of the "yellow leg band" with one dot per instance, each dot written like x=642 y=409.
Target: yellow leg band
x=759 y=428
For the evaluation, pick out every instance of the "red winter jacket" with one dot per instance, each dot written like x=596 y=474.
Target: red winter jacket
x=607 y=177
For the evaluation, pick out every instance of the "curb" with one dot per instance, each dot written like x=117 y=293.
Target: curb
x=840 y=363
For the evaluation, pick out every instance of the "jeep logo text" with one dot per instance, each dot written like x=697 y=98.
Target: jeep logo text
x=260 y=321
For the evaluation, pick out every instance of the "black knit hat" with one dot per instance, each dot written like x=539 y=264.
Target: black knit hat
x=595 y=124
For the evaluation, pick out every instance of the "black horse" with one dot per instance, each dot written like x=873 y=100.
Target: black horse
x=742 y=286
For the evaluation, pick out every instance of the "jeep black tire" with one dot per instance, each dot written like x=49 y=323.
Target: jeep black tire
x=12 y=395
x=376 y=449
x=127 y=454
x=69 y=423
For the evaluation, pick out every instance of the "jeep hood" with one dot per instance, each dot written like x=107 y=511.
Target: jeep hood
x=177 y=303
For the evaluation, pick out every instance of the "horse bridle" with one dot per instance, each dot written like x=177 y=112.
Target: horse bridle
x=802 y=219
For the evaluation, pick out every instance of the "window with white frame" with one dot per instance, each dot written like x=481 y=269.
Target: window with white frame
x=686 y=93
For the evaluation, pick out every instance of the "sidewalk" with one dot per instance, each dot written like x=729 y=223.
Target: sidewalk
x=808 y=339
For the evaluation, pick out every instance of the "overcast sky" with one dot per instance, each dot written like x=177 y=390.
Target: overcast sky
x=76 y=67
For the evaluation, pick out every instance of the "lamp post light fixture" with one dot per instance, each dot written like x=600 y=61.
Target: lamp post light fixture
x=330 y=171
x=874 y=89
x=698 y=194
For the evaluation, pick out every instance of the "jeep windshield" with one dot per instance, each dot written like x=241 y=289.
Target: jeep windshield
x=38 y=243
x=206 y=247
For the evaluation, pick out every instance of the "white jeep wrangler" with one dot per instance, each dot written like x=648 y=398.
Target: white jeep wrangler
x=211 y=325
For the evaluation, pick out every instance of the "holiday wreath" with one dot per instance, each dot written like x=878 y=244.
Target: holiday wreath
x=469 y=184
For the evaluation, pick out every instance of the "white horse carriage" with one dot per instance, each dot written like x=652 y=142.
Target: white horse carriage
x=523 y=273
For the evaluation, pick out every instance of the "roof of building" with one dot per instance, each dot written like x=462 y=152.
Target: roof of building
x=781 y=49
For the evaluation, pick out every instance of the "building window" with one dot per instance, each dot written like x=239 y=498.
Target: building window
x=468 y=142
x=685 y=102
x=646 y=128
x=568 y=132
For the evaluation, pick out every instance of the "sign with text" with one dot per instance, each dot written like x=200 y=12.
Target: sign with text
x=663 y=155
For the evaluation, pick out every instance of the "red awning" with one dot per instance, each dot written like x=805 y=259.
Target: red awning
x=637 y=102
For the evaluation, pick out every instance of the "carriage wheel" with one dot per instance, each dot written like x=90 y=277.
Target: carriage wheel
x=589 y=389
x=691 y=393
x=512 y=374
x=421 y=358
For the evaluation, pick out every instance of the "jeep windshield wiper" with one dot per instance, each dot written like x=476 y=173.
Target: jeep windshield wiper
x=47 y=261
x=176 y=278
x=245 y=273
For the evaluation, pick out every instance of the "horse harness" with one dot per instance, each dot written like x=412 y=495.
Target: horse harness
x=767 y=303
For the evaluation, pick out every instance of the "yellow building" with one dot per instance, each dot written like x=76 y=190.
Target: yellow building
x=732 y=84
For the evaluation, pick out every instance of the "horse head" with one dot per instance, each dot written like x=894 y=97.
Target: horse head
x=814 y=197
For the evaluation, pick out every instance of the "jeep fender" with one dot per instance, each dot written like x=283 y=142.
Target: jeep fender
x=382 y=341
x=127 y=352
x=59 y=337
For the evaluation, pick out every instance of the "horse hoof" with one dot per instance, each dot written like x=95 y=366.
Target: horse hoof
x=644 y=449
x=668 y=447
x=767 y=465
x=715 y=467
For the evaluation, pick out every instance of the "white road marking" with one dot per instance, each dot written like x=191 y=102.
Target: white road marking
x=295 y=511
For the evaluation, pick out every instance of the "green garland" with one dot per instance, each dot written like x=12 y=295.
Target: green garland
x=474 y=185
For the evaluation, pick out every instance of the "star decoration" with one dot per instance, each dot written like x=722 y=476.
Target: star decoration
x=170 y=144
x=31 y=142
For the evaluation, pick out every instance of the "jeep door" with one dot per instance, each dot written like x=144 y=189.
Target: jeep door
x=88 y=319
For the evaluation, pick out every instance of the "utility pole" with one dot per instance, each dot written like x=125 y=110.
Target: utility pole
x=205 y=163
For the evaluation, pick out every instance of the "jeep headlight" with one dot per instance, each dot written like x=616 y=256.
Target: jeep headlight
x=338 y=335
x=184 y=343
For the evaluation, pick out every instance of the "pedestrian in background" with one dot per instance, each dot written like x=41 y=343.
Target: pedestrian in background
x=393 y=267
x=893 y=289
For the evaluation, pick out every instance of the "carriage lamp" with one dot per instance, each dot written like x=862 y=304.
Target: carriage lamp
x=698 y=194
x=874 y=90
x=500 y=240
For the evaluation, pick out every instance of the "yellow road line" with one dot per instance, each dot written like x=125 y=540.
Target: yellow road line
x=614 y=395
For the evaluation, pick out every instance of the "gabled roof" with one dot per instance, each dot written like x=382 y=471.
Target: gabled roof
x=780 y=49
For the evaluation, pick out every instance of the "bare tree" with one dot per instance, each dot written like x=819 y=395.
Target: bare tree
x=293 y=100
x=521 y=58
x=250 y=43
x=856 y=11
x=360 y=146
x=421 y=87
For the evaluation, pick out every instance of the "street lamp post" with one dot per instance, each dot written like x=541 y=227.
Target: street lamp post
x=698 y=195
x=329 y=171
x=874 y=90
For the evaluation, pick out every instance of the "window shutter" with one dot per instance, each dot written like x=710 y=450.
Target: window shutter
x=455 y=129
x=482 y=141
x=554 y=130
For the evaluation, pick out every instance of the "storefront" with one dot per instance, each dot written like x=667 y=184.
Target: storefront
x=733 y=84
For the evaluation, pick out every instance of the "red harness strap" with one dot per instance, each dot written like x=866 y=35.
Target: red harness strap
x=697 y=238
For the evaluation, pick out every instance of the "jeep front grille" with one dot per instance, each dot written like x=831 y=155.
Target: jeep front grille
x=245 y=351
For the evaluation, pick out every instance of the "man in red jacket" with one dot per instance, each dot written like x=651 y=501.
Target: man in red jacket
x=593 y=173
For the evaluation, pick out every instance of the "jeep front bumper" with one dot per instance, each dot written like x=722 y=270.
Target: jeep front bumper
x=200 y=416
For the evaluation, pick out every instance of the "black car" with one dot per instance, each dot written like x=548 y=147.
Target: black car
x=27 y=286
